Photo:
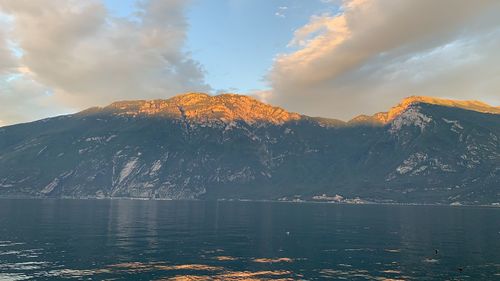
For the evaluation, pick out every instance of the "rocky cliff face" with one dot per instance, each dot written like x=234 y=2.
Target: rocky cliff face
x=410 y=102
x=200 y=146
x=203 y=108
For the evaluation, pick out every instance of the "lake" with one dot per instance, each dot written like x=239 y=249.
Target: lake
x=194 y=240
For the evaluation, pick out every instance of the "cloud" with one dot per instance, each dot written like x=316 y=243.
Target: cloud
x=373 y=53
x=87 y=57
x=7 y=61
x=281 y=12
x=21 y=98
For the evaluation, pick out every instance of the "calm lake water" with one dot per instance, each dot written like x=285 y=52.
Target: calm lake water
x=182 y=240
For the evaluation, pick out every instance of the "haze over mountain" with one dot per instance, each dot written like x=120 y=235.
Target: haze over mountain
x=198 y=146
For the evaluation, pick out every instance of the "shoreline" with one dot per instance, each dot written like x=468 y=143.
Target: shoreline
x=370 y=203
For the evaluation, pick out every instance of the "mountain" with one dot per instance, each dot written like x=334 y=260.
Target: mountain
x=203 y=108
x=197 y=146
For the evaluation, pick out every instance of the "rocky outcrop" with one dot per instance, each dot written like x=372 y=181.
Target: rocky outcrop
x=414 y=101
x=199 y=107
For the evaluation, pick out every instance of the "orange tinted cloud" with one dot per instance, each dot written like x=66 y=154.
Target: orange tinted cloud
x=348 y=63
x=88 y=57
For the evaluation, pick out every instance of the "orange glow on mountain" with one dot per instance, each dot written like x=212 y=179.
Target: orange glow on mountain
x=473 y=105
x=203 y=107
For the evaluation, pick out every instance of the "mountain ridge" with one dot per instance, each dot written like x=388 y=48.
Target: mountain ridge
x=231 y=107
x=472 y=105
x=204 y=107
x=225 y=147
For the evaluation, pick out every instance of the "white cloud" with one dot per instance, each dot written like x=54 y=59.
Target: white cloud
x=23 y=99
x=374 y=53
x=281 y=12
x=87 y=57
x=7 y=60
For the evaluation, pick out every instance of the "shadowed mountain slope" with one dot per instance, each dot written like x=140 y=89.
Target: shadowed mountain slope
x=424 y=150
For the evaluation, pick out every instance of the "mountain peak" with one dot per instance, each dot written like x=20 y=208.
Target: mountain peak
x=473 y=105
x=203 y=107
x=464 y=104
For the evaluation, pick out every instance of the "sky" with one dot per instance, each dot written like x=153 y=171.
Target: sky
x=329 y=58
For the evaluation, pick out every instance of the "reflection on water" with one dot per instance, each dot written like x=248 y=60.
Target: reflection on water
x=163 y=240
x=186 y=271
x=264 y=260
